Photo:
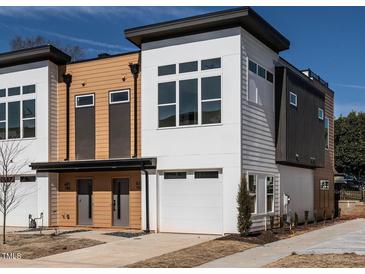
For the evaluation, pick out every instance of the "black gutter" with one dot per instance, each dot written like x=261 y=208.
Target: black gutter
x=147 y=230
x=67 y=79
x=135 y=70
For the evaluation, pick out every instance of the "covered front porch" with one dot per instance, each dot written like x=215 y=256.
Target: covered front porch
x=92 y=193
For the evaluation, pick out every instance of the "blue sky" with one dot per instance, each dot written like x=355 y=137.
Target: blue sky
x=329 y=40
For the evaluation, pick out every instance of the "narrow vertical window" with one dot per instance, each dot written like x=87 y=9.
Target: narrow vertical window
x=2 y=121
x=326 y=131
x=320 y=114
x=269 y=194
x=293 y=99
x=167 y=104
x=188 y=102
x=252 y=187
x=211 y=100
x=14 y=120
x=29 y=118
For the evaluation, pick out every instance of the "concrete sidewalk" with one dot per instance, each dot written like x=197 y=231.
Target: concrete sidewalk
x=320 y=240
x=118 y=253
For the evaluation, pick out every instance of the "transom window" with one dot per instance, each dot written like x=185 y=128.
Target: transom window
x=166 y=70
x=293 y=99
x=252 y=188
x=320 y=114
x=260 y=71
x=119 y=96
x=84 y=100
x=18 y=112
x=191 y=101
x=269 y=194
x=214 y=174
x=174 y=175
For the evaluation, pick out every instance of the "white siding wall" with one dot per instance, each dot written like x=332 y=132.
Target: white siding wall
x=258 y=121
x=36 y=149
x=195 y=147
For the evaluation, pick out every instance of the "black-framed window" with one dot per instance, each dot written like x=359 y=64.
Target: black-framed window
x=166 y=70
x=188 y=67
x=28 y=89
x=3 y=92
x=188 y=102
x=14 y=120
x=29 y=118
x=213 y=63
x=269 y=77
x=27 y=179
x=326 y=131
x=174 y=175
x=14 y=91
x=212 y=174
x=211 y=99
x=167 y=104
x=261 y=72
x=2 y=121
x=252 y=66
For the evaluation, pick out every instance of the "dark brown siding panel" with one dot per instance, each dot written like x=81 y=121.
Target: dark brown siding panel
x=85 y=133
x=119 y=130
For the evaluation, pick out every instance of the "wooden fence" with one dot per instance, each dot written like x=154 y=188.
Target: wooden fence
x=358 y=195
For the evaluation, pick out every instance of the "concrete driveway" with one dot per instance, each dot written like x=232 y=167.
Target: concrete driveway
x=341 y=238
x=117 y=253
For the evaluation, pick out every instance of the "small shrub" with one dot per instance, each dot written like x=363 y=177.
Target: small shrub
x=244 y=209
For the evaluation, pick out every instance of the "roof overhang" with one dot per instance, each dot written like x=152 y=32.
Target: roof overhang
x=245 y=17
x=95 y=165
x=30 y=55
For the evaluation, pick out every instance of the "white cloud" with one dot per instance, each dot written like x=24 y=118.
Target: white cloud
x=349 y=86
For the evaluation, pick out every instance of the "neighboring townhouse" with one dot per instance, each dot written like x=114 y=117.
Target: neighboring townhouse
x=218 y=103
x=28 y=90
x=97 y=165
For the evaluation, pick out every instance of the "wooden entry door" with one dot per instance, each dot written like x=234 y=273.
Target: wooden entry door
x=84 y=201
x=120 y=202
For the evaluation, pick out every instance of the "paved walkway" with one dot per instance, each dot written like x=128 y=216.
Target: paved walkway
x=118 y=253
x=341 y=238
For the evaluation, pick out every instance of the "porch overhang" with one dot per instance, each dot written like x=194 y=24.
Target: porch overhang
x=95 y=165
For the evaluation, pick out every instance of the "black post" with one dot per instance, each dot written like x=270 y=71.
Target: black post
x=147 y=230
x=67 y=79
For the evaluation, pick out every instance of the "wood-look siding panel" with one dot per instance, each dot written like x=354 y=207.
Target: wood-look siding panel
x=98 y=77
x=101 y=198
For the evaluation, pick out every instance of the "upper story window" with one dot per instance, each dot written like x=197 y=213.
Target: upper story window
x=18 y=112
x=166 y=70
x=211 y=63
x=260 y=71
x=119 y=96
x=324 y=185
x=188 y=67
x=84 y=100
x=320 y=114
x=269 y=77
x=293 y=99
x=326 y=131
x=194 y=100
x=252 y=66
x=214 y=174
x=174 y=175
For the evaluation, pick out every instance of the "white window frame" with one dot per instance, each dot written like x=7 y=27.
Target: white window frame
x=118 y=91
x=256 y=186
x=273 y=195
x=327 y=122
x=327 y=182
x=85 y=95
x=320 y=114
x=199 y=74
x=295 y=104
x=19 y=98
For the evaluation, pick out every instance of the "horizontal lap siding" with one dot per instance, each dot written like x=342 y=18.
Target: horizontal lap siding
x=99 y=77
x=257 y=140
x=101 y=199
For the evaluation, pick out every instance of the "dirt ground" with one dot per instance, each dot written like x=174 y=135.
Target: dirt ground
x=224 y=246
x=32 y=246
x=320 y=261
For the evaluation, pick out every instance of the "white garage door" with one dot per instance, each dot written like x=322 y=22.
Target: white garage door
x=191 y=202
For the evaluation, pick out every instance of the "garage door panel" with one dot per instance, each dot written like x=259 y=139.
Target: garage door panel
x=191 y=205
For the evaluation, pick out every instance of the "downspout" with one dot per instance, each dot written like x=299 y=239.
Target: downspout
x=147 y=230
x=67 y=79
x=135 y=70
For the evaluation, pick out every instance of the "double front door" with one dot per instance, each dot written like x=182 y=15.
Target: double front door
x=120 y=202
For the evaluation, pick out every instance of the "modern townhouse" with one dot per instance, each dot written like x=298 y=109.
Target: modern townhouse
x=28 y=90
x=159 y=139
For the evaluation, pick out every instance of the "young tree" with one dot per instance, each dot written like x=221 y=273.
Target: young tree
x=244 y=208
x=11 y=193
x=18 y=43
